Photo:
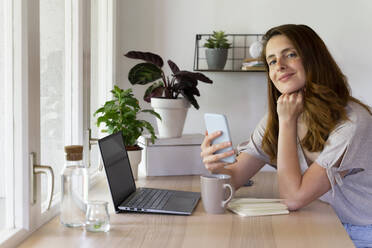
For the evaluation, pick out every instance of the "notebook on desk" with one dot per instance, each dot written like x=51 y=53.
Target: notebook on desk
x=127 y=197
x=257 y=207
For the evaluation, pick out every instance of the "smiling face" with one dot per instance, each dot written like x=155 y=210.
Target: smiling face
x=286 y=70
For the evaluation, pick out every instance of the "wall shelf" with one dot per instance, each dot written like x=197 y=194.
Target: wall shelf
x=238 y=52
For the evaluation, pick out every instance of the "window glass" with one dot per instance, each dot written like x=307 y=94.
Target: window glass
x=52 y=89
x=2 y=118
x=94 y=84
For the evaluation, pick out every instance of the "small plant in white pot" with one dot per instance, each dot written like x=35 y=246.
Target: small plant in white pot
x=164 y=91
x=216 y=53
x=120 y=114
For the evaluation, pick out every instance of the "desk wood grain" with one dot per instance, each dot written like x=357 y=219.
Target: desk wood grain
x=313 y=226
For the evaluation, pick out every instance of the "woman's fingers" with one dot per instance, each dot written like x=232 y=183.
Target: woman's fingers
x=291 y=97
x=290 y=106
x=209 y=138
x=217 y=157
x=212 y=161
x=220 y=146
x=212 y=149
x=300 y=96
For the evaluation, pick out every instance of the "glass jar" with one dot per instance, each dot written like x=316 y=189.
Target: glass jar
x=74 y=188
x=97 y=217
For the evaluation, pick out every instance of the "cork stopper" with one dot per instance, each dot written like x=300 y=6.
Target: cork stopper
x=74 y=152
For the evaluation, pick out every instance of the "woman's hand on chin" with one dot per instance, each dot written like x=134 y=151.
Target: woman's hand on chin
x=290 y=106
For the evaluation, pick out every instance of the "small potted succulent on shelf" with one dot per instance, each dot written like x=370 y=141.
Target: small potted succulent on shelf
x=164 y=92
x=216 y=53
x=120 y=114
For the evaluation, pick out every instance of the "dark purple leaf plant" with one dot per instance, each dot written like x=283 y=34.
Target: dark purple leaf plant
x=179 y=83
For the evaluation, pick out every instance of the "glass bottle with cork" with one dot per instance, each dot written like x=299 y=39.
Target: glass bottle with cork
x=74 y=188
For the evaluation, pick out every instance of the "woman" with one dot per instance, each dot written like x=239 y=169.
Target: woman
x=315 y=133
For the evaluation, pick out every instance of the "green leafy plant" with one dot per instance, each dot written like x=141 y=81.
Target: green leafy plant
x=218 y=40
x=120 y=114
x=180 y=83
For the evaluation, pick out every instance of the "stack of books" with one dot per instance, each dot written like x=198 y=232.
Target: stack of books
x=257 y=207
x=252 y=64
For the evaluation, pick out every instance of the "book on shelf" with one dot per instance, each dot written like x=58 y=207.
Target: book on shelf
x=252 y=68
x=252 y=64
x=257 y=207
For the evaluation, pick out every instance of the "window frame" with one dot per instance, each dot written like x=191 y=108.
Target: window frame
x=8 y=191
x=23 y=72
x=106 y=75
x=17 y=74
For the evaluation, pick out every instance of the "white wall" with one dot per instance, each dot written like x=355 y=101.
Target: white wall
x=168 y=27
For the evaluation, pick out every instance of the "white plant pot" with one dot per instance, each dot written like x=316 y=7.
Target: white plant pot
x=134 y=159
x=173 y=114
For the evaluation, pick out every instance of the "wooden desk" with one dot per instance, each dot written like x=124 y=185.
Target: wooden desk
x=314 y=226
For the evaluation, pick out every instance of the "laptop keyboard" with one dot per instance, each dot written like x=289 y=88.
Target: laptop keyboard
x=150 y=199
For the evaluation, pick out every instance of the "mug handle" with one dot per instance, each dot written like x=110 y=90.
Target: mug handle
x=224 y=203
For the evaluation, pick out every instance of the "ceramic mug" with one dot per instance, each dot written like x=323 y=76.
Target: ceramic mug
x=216 y=192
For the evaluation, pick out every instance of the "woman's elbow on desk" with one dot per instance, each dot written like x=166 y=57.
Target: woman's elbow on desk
x=296 y=200
x=294 y=204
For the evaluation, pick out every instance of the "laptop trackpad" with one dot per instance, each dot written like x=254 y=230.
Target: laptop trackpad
x=179 y=203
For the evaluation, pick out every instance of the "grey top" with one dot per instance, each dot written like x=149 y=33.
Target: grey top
x=351 y=196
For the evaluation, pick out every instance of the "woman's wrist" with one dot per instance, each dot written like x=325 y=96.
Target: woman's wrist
x=287 y=123
x=230 y=170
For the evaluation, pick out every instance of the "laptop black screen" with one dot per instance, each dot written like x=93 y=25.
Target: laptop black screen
x=117 y=167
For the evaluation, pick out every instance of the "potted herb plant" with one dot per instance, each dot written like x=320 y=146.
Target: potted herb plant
x=164 y=92
x=216 y=53
x=120 y=114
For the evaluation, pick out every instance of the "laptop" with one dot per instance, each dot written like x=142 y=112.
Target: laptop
x=127 y=197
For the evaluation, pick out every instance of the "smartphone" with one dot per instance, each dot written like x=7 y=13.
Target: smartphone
x=218 y=122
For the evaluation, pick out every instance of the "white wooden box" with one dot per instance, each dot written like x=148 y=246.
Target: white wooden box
x=172 y=156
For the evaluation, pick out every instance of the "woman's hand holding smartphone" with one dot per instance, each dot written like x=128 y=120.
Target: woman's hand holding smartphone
x=217 y=147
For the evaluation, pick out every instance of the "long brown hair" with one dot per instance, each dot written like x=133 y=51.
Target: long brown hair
x=326 y=90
